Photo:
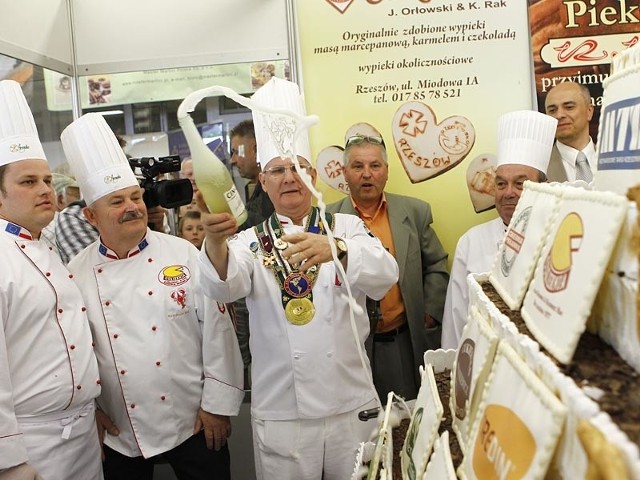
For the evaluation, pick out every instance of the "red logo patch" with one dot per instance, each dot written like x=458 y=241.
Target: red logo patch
x=180 y=297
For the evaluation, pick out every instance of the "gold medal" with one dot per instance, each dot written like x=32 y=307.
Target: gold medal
x=299 y=311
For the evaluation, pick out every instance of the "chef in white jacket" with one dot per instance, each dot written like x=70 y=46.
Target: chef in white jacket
x=525 y=140
x=169 y=360
x=308 y=380
x=48 y=371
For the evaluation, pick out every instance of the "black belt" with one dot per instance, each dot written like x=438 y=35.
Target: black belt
x=391 y=335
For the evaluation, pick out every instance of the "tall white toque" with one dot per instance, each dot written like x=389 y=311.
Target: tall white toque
x=526 y=137
x=96 y=158
x=275 y=134
x=18 y=133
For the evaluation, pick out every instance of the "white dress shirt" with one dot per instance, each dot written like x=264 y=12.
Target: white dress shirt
x=569 y=155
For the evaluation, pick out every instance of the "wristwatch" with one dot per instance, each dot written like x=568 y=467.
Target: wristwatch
x=341 y=245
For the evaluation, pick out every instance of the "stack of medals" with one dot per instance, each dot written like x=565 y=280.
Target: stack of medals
x=295 y=287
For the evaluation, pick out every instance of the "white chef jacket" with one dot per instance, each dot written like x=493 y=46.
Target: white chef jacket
x=47 y=364
x=313 y=370
x=475 y=253
x=163 y=349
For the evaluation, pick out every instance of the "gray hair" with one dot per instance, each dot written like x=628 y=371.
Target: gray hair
x=345 y=154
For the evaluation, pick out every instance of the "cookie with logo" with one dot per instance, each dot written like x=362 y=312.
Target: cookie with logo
x=518 y=254
x=469 y=372
x=423 y=429
x=571 y=267
x=618 y=160
x=481 y=174
x=515 y=432
x=425 y=147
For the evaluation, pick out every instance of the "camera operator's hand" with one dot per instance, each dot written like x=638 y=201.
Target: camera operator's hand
x=156 y=218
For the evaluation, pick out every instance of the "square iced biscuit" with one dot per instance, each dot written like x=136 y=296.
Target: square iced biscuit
x=423 y=429
x=517 y=426
x=615 y=311
x=440 y=466
x=381 y=465
x=469 y=372
x=518 y=254
x=571 y=267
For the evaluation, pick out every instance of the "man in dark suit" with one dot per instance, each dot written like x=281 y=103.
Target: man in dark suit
x=407 y=321
x=574 y=155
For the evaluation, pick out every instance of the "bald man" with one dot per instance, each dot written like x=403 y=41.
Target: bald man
x=570 y=104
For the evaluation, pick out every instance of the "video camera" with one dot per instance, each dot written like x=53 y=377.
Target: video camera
x=166 y=193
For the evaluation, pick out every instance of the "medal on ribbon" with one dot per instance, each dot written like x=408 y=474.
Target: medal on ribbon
x=296 y=287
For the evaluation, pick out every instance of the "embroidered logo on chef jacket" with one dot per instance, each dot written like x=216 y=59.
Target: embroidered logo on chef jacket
x=174 y=275
x=180 y=297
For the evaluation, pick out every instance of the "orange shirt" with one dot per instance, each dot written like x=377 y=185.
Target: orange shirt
x=391 y=306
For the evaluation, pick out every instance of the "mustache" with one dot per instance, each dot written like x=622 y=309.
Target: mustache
x=133 y=215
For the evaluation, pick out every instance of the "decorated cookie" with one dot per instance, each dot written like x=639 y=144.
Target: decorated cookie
x=570 y=268
x=423 y=429
x=440 y=465
x=427 y=148
x=618 y=159
x=329 y=165
x=468 y=375
x=381 y=464
x=518 y=253
x=518 y=424
x=361 y=128
x=481 y=174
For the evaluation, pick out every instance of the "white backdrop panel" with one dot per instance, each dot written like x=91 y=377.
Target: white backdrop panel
x=36 y=31
x=121 y=36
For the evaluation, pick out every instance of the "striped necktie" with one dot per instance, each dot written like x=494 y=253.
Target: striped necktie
x=583 y=170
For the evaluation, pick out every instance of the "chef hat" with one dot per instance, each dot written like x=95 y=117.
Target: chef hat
x=18 y=133
x=526 y=137
x=60 y=182
x=274 y=134
x=96 y=157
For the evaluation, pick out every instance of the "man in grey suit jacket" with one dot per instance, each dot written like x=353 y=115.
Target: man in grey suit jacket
x=407 y=321
x=570 y=104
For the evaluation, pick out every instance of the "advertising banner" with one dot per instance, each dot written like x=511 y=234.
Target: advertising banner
x=158 y=85
x=575 y=40
x=432 y=77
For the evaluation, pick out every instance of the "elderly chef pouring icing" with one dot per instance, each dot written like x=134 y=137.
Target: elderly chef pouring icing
x=308 y=382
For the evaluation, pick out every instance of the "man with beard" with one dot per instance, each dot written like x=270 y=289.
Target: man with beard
x=525 y=139
x=170 y=367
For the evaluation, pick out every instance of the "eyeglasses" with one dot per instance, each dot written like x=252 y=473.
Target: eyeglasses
x=358 y=139
x=280 y=170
